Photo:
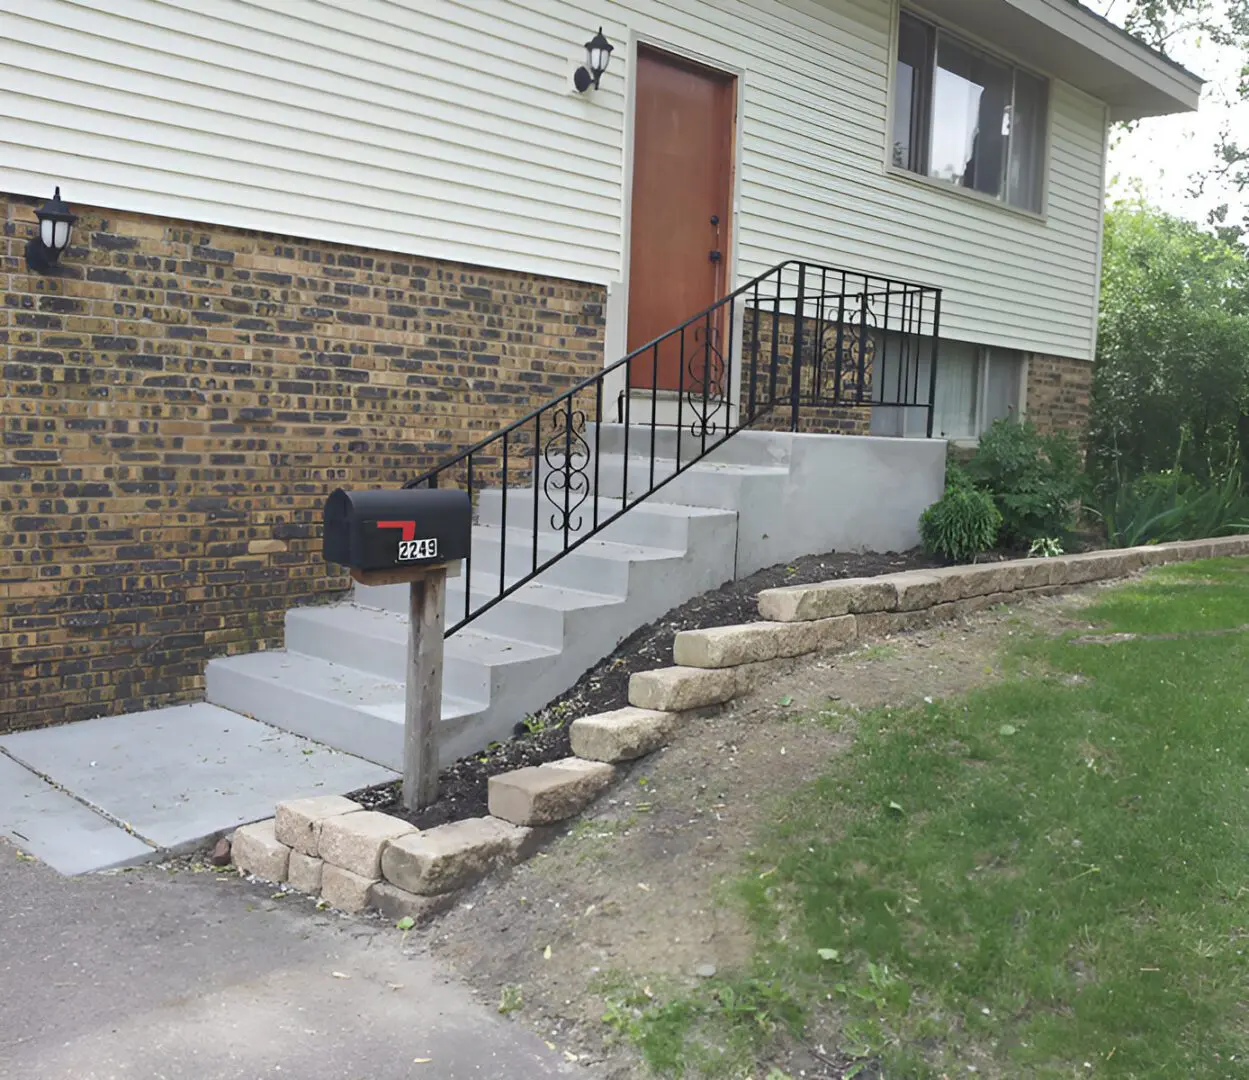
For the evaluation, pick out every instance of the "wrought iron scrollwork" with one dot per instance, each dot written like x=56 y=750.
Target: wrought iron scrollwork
x=844 y=356
x=704 y=391
x=566 y=481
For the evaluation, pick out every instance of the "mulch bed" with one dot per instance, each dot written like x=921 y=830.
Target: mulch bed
x=544 y=737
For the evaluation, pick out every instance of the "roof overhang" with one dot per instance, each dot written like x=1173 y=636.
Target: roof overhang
x=1066 y=40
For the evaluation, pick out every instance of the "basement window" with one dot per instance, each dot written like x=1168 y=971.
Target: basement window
x=976 y=385
x=966 y=118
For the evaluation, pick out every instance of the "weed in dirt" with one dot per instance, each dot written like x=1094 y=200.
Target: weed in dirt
x=716 y=1030
x=1041 y=879
x=878 y=652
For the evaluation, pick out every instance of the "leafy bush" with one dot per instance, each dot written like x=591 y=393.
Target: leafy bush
x=962 y=524
x=1171 y=381
x=1158 y=508
x=1034 y=480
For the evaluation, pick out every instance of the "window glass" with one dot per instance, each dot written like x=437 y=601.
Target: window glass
x=971 y=119
x=911 y=93
x=1001 y=397
x=1027 y=142
x=964 y=117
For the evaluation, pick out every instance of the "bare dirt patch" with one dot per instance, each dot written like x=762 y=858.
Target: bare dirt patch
x=634 y=888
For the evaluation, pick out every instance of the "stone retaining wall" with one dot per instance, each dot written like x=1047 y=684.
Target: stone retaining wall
x=357 y=859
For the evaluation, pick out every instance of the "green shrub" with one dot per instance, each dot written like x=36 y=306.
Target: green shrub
x=1158 y=508
x=962 y=524
x=1034 y=479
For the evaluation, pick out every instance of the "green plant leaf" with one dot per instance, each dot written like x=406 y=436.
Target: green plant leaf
x=786 y=701
x=406 y=923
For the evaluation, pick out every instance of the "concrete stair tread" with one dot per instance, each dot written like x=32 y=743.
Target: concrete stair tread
x=491 y=649
x=315 y=677
x=642 y=508
x=666 y=466
x=550 y=542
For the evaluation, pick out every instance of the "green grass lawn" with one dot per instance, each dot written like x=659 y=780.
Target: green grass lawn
x=1047 y=878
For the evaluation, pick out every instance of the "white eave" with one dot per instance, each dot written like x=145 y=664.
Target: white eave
x=1068 y=41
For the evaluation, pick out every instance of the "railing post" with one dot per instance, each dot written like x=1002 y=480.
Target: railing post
x=932 y=371
x=754 y=351
x=796 y=371
x=858 y=390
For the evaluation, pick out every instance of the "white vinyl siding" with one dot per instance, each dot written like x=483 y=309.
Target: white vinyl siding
x=451 y=130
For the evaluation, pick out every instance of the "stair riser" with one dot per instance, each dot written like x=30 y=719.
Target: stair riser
x=351 y=730
x=743 y=448
x=384 y=656
x=334 y=723
x=697 y=487
x=636 y=527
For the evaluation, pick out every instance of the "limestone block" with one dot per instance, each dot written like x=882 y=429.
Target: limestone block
x=299 y=820
x=449 y=857
x=918 y=589
x=827 y=599
x=727 y=646
x=882 y=623
x=675 y=689
x=304 y=872
x=545 y=794
x=1230 y=545
x=1090 y=566
x=834 y=633
x=621 y=735
x=354 y=841
x=255 y=849
x=344 y=890
x=395 y=903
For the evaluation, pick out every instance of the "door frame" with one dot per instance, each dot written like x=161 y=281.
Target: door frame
x=617 y=334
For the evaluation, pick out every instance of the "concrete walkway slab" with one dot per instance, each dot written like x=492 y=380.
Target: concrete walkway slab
x=58 y=829
x=176 y=776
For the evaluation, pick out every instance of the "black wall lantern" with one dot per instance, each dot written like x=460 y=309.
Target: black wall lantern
x=56 y=223
x=597 y=56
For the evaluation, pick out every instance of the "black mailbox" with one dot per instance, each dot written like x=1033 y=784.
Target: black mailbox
x=396 y=527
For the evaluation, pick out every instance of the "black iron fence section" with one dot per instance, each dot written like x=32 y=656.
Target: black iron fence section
x=798 y=336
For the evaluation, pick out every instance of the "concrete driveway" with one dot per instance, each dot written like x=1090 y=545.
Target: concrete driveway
x=147 y=975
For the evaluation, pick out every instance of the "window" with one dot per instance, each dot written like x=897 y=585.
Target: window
x=962 y=116
x=976 y=385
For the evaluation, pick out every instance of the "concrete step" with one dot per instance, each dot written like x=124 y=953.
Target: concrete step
x=340 y=706
x=742 y=448
x=663 y=525
x=377 y=642
x=535 y=612
x=709 y=484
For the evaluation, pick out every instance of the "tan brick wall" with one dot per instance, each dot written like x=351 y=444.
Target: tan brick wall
x=1058 y=393
x=177 y=401
x=813 y=418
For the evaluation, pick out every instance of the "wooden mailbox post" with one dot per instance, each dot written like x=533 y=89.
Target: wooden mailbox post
x=415 y=536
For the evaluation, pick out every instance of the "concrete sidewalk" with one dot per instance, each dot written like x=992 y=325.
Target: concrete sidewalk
x=123 y=790
x=144 y=974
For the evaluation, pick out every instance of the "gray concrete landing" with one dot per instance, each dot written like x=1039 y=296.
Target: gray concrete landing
x=121 y=790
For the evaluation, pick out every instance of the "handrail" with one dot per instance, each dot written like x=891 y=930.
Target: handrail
x=800 y=335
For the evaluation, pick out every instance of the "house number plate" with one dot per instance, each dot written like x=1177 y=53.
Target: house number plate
x=412 y=550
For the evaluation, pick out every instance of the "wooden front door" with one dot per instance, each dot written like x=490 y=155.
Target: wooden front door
x=679 y=229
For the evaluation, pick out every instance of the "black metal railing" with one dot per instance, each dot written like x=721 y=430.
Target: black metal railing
x=794 y=342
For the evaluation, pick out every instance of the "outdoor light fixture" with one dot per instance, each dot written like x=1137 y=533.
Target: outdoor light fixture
x=56 y=223
x=597 y=57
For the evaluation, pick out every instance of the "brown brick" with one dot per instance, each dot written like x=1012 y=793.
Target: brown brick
x=1058 y=393
x=177 y=401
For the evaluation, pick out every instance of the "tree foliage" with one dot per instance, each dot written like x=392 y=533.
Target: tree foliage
x=1224 y=23
x=1171 y=382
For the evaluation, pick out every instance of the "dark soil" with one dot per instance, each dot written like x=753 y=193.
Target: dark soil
x=544 y=736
